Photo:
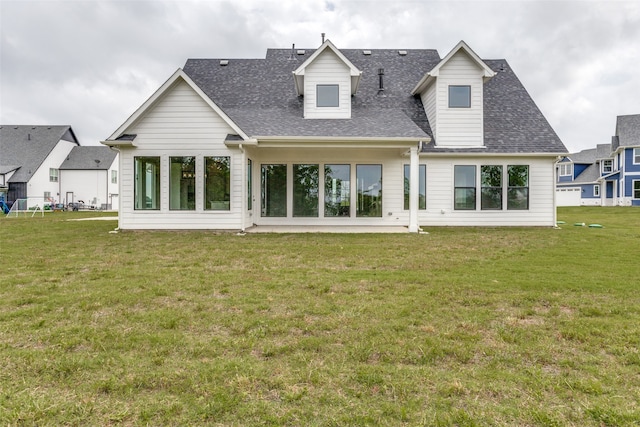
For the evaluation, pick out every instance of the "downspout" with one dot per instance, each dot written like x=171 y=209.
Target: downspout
x=555 y=186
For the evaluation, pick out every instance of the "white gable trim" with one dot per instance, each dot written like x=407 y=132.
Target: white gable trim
x=354 y=72
x=149 y=103
x=430 y=76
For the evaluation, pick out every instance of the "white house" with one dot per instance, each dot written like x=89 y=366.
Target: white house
x=338 y=138
x=30 y=158
x=89 y=174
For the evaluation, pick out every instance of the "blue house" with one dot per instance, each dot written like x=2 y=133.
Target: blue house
x=621 y=172
x=608 y=175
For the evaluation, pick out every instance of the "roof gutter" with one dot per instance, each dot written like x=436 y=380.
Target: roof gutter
x=338 y=141
x=485 y=154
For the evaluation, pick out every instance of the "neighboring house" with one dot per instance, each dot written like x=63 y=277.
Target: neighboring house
x=338 y=138
x=608 y=175
x=579 y=177
x=90 y=175
x=30 y=158
x=621 y=172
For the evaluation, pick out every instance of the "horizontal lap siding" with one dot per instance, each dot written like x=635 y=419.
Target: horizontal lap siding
x=440 y=173
x=180 y=124
x=327 y=69
x=430 y=107
x=459 y=126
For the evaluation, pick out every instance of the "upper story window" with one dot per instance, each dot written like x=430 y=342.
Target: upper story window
x=607 y=166
x=459 y=96
x=327 y=95
x=53 y=175
x=565 y=169
x=636 y=156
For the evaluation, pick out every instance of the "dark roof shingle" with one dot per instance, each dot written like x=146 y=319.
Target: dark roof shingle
x=259 y=96
x=89 y=157
x=28 y=146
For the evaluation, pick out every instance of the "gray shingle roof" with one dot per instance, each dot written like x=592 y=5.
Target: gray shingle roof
x=94 y=158
x=603 y=151
x=28 y=146
x=590 y=174
x=628 y=130
x=259 y=96
x=588 y=156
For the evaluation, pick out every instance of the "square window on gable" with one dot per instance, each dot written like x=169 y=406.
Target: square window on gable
x=327 y=95
x=459 y=96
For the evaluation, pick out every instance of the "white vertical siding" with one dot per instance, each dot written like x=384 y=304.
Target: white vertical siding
x=327 y=68
x=459 y=127
x=181 y=123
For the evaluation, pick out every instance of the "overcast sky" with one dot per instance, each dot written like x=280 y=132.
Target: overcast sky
x=91 y=63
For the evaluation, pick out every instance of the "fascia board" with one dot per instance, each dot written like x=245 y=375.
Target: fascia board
x=336 y=142
x=472 y=154
x=487 y=73
x=423 y=84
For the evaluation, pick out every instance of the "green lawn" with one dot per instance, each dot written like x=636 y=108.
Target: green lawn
x=461 y=326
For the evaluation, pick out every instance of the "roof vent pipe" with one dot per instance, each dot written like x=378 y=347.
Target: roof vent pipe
x=293 y=49
x=323 y=38
x=380 y=77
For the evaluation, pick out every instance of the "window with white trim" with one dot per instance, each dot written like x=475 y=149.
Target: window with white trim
x=459 y=96
x=53 y=175
x=464 y=182
x=636 y=188
x=565 y=169
x=114 y=176
x=636 y=156
x=491 y=187
x=518 y=190
x=596 y=190
x=327 y=95
x=607 y=166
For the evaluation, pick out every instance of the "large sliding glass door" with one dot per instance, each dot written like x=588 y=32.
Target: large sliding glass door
x=305 y=190
x=369 y=190
x=306 y=184
x=273 y=183
x=337 y=190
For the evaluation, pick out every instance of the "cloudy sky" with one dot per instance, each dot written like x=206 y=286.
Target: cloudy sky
x=91 y=63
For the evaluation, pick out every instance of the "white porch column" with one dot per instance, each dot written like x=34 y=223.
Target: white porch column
x=243 y=171
x=414 y=190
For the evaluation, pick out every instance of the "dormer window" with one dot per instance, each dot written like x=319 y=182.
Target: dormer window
x=459 y=96
x=327 y=95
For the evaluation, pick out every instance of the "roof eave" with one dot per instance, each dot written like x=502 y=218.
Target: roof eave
x=118 y=143
x=338 y=141
x=491 y=154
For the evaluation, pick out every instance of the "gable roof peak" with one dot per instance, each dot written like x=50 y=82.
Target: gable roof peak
x=179 y=75
x=487 y=72
x=354 y=72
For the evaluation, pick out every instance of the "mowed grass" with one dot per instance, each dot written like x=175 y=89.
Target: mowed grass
x=461 y=326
